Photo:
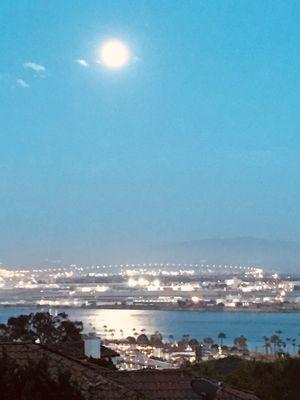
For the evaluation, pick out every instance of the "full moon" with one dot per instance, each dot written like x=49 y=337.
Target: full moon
x=114 y=54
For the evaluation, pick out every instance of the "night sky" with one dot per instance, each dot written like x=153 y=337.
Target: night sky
x=197 y=136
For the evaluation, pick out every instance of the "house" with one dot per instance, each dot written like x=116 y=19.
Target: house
x=92 y=380
x=172 y=384
x=76 y=350
x=97 y=383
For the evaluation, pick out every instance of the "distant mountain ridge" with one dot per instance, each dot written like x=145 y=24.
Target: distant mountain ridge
x=279 y=255
x=272 y=255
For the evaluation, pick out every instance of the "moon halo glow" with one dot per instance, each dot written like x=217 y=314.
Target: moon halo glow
x=114 y=54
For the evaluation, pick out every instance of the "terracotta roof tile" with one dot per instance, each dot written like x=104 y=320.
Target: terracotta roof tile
x=158 y=385
x=100 y=383
x=88 y=376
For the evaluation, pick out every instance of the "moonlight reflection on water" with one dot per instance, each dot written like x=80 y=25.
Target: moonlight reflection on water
x=177 y=323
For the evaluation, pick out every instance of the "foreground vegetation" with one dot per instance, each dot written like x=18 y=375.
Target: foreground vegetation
x=41 y=327
x=278 y=380
x=34 y=382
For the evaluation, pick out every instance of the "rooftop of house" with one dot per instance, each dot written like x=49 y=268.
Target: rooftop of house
x=158 y=384
x=76 y=349
x=108 y=352
x=172 y=384
x=97 y=383
x=93 y=381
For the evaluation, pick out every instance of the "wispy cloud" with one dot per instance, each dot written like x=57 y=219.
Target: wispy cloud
x=34 y=66
x=22 y=83
x=82 y=62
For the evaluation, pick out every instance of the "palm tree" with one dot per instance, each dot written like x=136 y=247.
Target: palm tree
x=186 y=337
x=208 y=341
x=193 y=343
x=294 y=345
x=275 y=341
x=288 y=340
x=241 y=342
x=267 y=344
x=221 y=336
x=105 y=329
x=171 y=338
x=112 y=334
x=281 y=344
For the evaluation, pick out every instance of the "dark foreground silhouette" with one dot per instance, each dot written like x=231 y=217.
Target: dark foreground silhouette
x=276 y=380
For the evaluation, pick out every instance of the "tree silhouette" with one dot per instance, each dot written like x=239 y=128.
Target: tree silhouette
x=143 y=340
x=171 y=338
x=193 y=343
x=35 y=381
x=156 y=339
x=267 y=344
x=131 y=340
x=221 y=336
x=42 y=327
x=241 y=343
x=208 y=341
x=275 y=341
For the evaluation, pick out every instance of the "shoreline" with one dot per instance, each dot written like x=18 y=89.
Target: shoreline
x=155 y=308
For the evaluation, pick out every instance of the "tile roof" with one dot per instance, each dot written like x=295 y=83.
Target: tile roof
x=92 y=383
x=108 y=352
x=172 y=384
x=76 y=349
x=234 y=394
x=158 y=384
x=98 y=383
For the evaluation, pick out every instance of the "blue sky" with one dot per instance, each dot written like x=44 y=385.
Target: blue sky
x=197 y=137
